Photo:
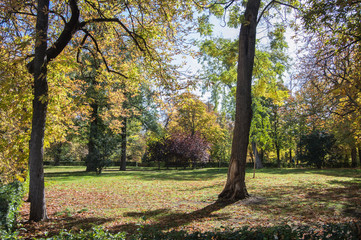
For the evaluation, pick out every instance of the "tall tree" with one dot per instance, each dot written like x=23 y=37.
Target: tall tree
x=40 y=104
x=235 y=187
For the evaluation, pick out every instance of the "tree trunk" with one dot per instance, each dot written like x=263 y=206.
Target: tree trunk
x=278 y=156
x=40 y=104
x=258 y=162
x=290 y=155
x=353 y=157
x=359 y=155
x=92 y=157
x=253 y=161
x=235 y=187
x=346 y=161
x=123 y=158
x=261 y=155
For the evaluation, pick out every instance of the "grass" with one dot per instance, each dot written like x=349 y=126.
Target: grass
x=185 y=199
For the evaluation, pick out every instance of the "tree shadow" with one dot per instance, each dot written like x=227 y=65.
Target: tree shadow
x=147 y=175
x=334 y=172
x=340 y=198
x=166 y=219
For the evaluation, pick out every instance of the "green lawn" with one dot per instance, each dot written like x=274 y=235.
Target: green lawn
x=185 y=199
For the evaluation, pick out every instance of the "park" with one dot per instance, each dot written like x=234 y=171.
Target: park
x=145 y=201
x=199 y=119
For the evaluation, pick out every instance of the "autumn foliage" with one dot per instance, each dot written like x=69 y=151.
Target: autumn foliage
x=179 y=149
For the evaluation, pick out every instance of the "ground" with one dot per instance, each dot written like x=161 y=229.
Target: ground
x=141 y=199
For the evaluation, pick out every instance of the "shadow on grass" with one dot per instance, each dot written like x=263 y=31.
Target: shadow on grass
x=166 y=219
x=342 y=198
x=147 y=175
x=335 y=172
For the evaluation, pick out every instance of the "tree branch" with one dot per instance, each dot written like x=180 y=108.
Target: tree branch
x=132 y=34
x=101 y=54
x=272 y=3
x=69 y=29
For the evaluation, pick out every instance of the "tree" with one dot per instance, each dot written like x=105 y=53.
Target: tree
x=271 y=61
x=235 y=187
x=40 y=103
x=190 y=115
x=315 y=146
x=141 y=113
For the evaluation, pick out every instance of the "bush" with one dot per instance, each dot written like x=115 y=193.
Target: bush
x=10 y=199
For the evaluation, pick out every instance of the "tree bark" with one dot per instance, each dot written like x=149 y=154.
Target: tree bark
x=40 y=104
x=290 y=155
x=235 y=187
x=278 y=156
x=123 y=158
x=353 y=157
x=258 y=162
x=359 y=155
x=93 y=153
x=261 y=155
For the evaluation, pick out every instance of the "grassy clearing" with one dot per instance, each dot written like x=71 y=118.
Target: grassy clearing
x=185 y=199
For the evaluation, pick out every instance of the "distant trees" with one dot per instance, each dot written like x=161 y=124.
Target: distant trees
x=193 y=133
x=315 y=148
x=331 y=70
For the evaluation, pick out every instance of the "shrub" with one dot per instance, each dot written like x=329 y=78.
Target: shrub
x=10 y=199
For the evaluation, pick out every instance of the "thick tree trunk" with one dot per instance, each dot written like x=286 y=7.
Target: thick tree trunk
x=235 y=187
x=123 y=158
x=359 y=155
x=353 y=157
x=40 y=104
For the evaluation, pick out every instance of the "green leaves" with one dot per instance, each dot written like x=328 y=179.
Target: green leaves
x=205 y=28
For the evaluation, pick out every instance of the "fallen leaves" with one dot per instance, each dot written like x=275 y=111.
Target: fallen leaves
x=121 y=201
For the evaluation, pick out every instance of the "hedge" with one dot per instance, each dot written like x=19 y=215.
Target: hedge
x=350 y=231
x=10 y=200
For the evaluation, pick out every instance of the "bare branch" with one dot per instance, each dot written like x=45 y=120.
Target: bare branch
x=270 y=4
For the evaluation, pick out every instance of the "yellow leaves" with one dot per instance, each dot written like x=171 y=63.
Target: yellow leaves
x=189 y=114
x=15 y=118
